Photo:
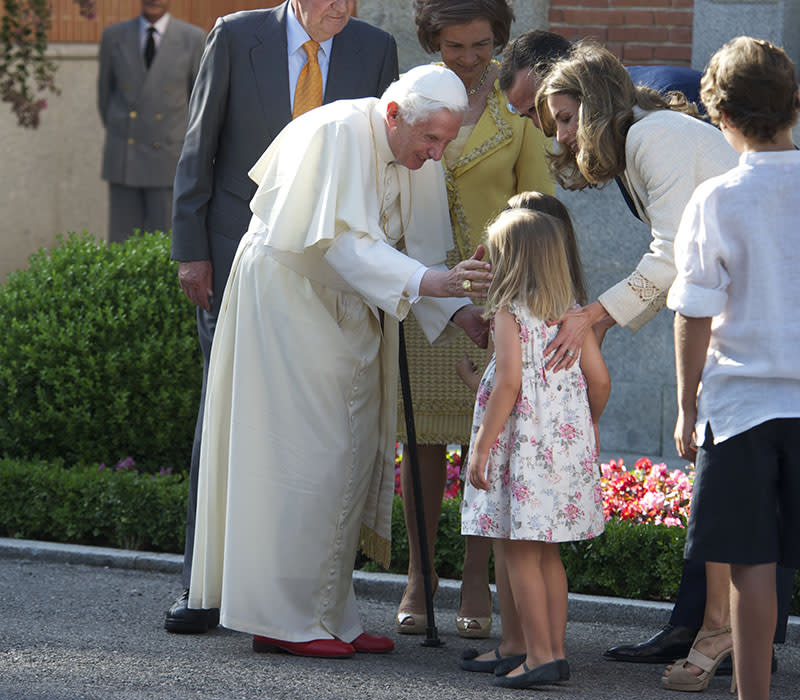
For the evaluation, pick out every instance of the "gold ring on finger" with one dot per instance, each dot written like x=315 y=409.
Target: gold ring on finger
x=467 y=285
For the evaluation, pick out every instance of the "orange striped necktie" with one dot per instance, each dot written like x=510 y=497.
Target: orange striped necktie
x=308 y=93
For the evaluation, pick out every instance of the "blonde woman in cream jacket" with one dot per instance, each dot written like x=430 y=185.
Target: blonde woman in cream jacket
x=609 y=128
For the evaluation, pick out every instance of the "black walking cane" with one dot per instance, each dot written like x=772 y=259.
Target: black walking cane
x=431 y=634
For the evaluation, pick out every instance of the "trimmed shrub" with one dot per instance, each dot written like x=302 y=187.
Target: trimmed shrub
x=119 y=507
x=99 y=356
x=629 y=560
x=83 y=505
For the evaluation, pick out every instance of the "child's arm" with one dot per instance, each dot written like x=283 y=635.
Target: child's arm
x=598 y=381
x=468 y=370
x=508 y=380
x=692 y=336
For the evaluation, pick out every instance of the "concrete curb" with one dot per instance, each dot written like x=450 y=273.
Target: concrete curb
x=376 y=586
x=92 y=556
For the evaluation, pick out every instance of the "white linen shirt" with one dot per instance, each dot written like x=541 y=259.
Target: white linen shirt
x=737 y=253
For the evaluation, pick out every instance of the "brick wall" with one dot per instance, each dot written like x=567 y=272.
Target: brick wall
x=637 y=31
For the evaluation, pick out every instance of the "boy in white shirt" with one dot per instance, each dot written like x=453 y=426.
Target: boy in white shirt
x=737 y=329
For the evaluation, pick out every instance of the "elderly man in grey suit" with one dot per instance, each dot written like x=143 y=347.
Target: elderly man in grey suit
x=259 y=69
x=147 y=68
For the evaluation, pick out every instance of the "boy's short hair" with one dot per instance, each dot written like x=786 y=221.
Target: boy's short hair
x=752 y=82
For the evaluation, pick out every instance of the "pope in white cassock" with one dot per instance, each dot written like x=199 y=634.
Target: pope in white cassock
x=297 y=460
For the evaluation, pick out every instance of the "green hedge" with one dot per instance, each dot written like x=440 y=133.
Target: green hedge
x=99 y=356
x=120 y=507
x=83 y=505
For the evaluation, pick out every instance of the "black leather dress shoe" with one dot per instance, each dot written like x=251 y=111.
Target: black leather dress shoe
x=672 y=642
x=182 y=619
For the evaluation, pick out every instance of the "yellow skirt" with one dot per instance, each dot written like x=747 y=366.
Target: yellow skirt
x=443 y=404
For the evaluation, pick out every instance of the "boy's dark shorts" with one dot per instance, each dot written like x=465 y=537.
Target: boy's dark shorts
x=746 y=498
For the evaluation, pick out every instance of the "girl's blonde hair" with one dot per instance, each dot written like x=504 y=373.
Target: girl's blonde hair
x=606 y=95
x=546 y=203
x=529 y=263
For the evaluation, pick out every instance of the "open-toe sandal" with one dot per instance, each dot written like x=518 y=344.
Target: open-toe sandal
x=474 y=627
x=407 y=622
x=681 y=678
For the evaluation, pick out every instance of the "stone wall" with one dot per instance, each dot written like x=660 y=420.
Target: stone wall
x=717 y=21
x=50 y=178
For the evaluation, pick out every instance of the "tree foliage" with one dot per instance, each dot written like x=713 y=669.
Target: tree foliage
x=25 y=70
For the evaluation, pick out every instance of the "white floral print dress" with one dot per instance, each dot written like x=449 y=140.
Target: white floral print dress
x=544 y=479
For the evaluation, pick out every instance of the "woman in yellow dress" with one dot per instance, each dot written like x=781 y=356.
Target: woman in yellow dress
x=495 y=155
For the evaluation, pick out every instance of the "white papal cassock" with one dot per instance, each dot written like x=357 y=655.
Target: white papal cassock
x=297 y=459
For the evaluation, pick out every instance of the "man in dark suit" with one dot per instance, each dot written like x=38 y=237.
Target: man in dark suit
x=244 y=95
x=525 y=62
x=147 y=68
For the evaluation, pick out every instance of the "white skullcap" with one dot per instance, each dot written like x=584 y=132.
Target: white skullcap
x=427 y=87
x=435 y=83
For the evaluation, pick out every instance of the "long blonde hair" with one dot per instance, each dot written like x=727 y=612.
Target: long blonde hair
x=546 y=203
x=529 y=264
x=606 y=95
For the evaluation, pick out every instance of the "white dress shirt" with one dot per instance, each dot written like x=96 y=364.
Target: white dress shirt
x=158 y=34
x=737 y=254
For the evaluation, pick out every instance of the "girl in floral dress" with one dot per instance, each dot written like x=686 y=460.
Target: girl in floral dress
x=533 y=477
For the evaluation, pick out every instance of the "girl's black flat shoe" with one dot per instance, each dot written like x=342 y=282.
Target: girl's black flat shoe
x=546 y=674
x=468 y=661
x=508 y=663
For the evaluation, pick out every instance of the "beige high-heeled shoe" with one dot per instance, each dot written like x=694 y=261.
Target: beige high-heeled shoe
x=474 y=627
x=680 y=678
x=407 y=622
x=410 y=623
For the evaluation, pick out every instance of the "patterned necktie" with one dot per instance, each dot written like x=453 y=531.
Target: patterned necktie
x=149 y=47
x=308 y=93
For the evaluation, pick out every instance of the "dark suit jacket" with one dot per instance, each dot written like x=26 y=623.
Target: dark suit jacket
x=239 y=105
x=145 y=111
x=666 y=78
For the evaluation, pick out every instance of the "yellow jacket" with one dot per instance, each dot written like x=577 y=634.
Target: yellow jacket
x=504 y=155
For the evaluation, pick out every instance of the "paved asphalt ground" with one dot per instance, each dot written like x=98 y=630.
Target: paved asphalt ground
x=81 y=623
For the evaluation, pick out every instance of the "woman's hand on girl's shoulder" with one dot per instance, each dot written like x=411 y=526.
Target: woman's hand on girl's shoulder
x=565 y=348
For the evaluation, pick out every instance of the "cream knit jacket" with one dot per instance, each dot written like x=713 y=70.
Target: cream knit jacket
x=667 y=155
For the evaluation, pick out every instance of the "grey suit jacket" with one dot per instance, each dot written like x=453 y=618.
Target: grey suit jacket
x=239 y=105
x=145 y=111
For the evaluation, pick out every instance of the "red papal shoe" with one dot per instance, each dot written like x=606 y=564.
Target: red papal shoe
x=321 y=648
x=372 y=644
